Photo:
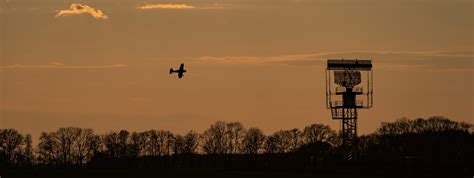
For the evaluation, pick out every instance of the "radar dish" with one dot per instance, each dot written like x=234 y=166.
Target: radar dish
x=347 y=78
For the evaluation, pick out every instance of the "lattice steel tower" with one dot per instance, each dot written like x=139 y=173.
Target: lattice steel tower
x=347 y=95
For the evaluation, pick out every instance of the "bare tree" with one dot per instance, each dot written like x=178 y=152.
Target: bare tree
x=28 y=150
x=178 y=144
x=214 y=139
x=270 y=144
x=278 y=142
x=186 y=144
x=158 y=142
x=48 y=149
x=252 y=141
x=318 y=133
x=138 y=144
x=435 y=124
x=86 y=143
x=152 y=142
x=67 y=146
x=283 y=141
x=11 y=142
x=165 y=139
x=191 y=142
x=123 y=143
x=94 y=145
x=295 y=139
x=65 y=138
x=235 y=132
x=111 y=142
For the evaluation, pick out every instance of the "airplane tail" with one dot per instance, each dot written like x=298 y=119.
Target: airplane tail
x=171 y=70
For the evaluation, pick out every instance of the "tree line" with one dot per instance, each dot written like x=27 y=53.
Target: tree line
x=433 y=139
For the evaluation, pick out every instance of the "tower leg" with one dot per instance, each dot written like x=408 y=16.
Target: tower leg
x=349 y=133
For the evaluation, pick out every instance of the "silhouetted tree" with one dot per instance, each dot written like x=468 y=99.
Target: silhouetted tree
x=270 y=144
x=191 y=142
x=278 y=142
x=67 y=146
x=94 y=145
x=166 y=142
x=85 y=146
x=27 y=153
x=152 y=143
x=111 y=142
x=123 y=143
x=235 y=132
x=215 y=140
x=158 y=142
x=65 y=138
x=319 y=141
x=48 y=149
x=366 y=145
x=433 y=140
x=186 y=144
x=435 y=124
x=11 y=144
x=295 y=136
x=138 y=143
x=318 y=133
x=179 y=144
x=253 y=141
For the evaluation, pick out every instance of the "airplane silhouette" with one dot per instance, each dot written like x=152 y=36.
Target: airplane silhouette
x=180 y=72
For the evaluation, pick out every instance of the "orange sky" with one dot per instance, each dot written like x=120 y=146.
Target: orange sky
x=104 y=64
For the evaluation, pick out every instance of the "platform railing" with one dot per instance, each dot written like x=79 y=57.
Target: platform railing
x=340 y=103
x=355 y=89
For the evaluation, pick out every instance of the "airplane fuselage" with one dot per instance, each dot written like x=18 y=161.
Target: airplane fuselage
x=180 y=71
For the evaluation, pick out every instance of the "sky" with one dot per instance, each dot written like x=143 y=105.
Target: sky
x=104 y=64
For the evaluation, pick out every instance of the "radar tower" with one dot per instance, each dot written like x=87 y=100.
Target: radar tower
x=345 y=94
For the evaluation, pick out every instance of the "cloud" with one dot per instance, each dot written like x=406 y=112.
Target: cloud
x=77 y=9
x=57 y=65
x=166 y=6
x=259 y=59
x=393 y=60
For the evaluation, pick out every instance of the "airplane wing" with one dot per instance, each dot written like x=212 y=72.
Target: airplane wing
x=180 y=74
x=181 y=67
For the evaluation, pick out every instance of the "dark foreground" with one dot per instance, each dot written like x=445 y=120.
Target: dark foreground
x=434 y=147
x=345 y=169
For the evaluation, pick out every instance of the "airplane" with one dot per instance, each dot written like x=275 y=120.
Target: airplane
x=180 y=72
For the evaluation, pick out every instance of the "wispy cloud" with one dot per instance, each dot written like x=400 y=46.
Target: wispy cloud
x=166 y=6
x=57 y=65
x=76 y=9
x=384 y=59
x=258 y=59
